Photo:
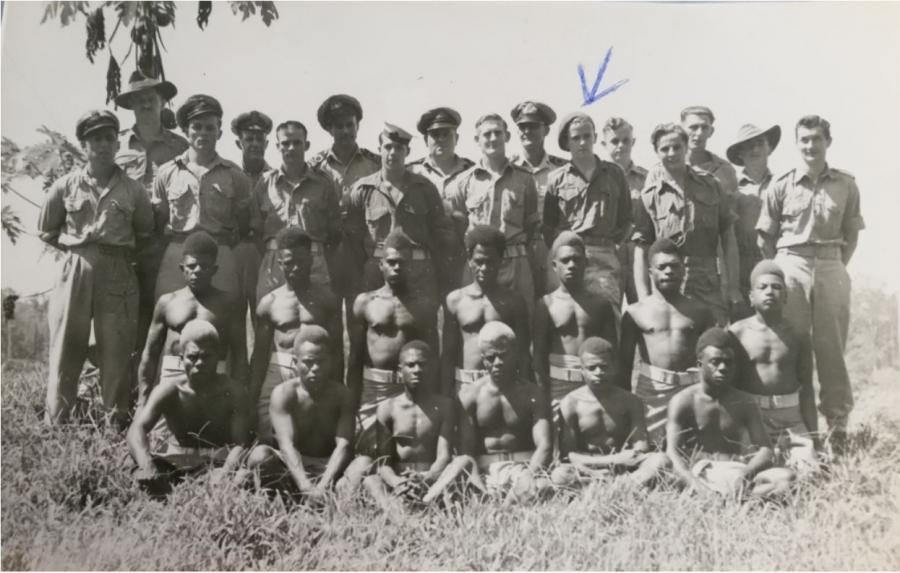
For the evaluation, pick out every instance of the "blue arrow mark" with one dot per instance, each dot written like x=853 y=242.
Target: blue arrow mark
x=593 y=95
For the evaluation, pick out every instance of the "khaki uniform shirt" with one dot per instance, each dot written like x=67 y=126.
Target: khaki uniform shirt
x=798 y=210
x=598 y=209
x=427 y=168
x=748 y=204
x=540 y=172
x=377 y=207
x=78 y=212
x=344 y=175
x=310 y=204
x=722 y=170
x=216 y=200
x=694 y=217
x=141 y=159
x=507 y=201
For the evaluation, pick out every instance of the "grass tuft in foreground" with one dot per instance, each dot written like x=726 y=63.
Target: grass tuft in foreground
x=68 y=503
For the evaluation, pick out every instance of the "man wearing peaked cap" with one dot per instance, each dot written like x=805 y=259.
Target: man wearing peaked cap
x=218 y=201
x=751 y=150
x=344 y=163
x=533 y=120
x=97 y=215
x=590 y=197
x=252 y=129
x=196 y=106
x=395 y=198
x=142 y=149
x=442 y=166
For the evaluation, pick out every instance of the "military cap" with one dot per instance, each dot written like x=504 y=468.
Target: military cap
x=195 y=106
x=94 y=120
x=396 y=134
x=138 y=82
x=340 y=104
x=251 y=121
x=563 y=137
x=438 y=118
x=533 y=112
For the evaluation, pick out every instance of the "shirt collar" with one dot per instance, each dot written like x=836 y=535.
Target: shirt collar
x=802 y=172
x=163 y=135
x=458 y=165
x=482 y=165
x=308 y=173
x=572 y=168
x=746 y=178
x=522 y=161
x=183 y=159
x=333 y=155
x=85 y=178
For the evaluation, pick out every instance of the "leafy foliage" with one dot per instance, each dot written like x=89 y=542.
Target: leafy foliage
x=12 y=224
x=145 y=21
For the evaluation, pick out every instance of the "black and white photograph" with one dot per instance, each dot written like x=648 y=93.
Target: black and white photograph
x=450 y=285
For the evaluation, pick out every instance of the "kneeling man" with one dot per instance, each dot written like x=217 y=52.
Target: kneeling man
x=504 y=426
x=415 y=435
x=205 y=412
x=707 y=421
x=604 y=428
x=778 y=375
x=301 y=302
x=312 y=416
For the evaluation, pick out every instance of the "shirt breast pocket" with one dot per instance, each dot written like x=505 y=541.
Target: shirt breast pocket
x=513 y=209
x=78 y=213
x=378 y=218
x=477 y=206
x=706 y=209
x=796 y=203
x=182 y=205
x=117 y=219
x=218 y=201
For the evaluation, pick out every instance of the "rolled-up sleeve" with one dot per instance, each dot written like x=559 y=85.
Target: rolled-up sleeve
x=52 y=217
x=769 y=221
x=853 y=220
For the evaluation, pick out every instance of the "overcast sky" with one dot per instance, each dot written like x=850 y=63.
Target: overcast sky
x=758 y=63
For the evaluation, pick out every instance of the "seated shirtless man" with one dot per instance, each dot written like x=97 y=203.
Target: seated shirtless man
x=482 y=301
x=415 y=436
x=205 y=412
x=604 y=428
x=665 y=327
x=706 y=423
x=312 y=417
x=565 y=318
x=776 y=369
x=505 y=432
x=198 y=300
x=383 y=321
x=299 y=303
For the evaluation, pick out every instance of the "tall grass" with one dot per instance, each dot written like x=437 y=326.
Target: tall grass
x=68 y=503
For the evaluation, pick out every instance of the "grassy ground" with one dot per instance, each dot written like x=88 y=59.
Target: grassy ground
x=68 y=504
